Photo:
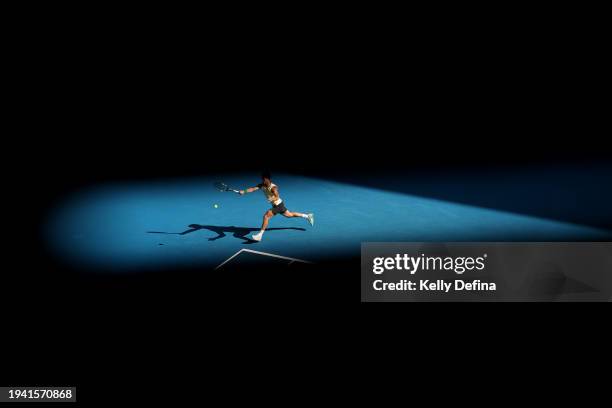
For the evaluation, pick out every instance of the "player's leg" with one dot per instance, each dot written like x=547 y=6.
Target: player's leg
x=291 y=214
x=266 y=219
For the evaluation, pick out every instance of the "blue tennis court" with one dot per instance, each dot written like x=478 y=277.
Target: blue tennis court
x=126 y=226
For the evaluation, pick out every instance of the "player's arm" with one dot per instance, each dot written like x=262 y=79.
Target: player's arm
x=249 y=190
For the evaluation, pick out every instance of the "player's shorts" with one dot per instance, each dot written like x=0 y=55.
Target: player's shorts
x=278 y=209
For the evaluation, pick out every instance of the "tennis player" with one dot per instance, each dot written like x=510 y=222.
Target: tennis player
x=270 y=190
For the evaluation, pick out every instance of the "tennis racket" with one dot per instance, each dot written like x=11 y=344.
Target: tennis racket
x=223 y=187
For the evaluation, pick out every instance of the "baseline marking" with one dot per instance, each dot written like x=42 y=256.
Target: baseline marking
x=264 y=254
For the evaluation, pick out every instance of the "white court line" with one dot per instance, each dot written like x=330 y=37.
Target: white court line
x=262 y=253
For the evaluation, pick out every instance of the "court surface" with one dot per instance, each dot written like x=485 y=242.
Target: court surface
x=126 y=226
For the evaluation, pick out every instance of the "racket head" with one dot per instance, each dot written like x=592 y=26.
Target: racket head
x=220 y=186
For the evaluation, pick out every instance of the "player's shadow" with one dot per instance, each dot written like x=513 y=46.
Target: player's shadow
x=237 y=232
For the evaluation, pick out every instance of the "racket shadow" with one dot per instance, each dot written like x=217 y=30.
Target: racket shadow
x=223 y=231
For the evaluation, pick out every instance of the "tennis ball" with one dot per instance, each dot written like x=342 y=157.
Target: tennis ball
x=216 y=205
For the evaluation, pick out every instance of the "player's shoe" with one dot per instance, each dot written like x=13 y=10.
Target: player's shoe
x=257 y=237
x=310 y=218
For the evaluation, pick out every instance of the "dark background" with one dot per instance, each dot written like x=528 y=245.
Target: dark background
x=118 y=103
